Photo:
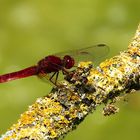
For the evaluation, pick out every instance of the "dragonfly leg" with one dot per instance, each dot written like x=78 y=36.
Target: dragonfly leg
x=57 y=74
x=54 y=82
x=65 y=71
x=52 y=76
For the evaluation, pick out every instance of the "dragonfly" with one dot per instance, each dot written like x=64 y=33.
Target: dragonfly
x=50 y=66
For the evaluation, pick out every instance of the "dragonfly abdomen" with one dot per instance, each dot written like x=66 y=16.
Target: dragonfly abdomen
x=19 y=74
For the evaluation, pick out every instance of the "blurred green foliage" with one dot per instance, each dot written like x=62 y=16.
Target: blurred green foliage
x=32 y=29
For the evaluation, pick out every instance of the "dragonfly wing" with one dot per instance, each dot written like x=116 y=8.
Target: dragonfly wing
x=95 y=53
x=43 y=76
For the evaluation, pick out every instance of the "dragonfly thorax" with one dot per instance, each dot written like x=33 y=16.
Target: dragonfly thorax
x=50 y=64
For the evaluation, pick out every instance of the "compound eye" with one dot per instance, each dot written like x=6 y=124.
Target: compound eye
x=68 y=62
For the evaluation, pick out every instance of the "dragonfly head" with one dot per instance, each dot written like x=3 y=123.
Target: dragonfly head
x=68 y=62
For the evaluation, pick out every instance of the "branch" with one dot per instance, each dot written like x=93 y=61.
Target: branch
x=53 y=116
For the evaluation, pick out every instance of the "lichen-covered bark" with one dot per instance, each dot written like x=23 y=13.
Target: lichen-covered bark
x=54 y=115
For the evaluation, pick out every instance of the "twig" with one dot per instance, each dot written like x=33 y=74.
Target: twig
x=54 y=115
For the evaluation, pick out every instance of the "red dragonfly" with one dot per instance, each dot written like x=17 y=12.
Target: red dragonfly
x=53 y=64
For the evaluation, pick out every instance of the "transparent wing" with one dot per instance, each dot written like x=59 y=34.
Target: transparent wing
x=95 y=53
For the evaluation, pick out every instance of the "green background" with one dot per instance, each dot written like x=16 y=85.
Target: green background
x=32 y=29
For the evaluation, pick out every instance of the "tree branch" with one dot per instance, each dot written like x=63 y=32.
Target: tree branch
x=53 y=116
